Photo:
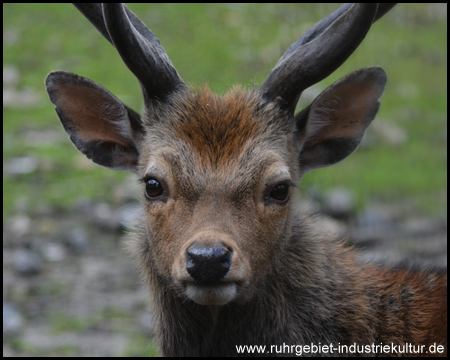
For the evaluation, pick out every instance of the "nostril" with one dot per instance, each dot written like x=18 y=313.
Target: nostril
x=208 y=265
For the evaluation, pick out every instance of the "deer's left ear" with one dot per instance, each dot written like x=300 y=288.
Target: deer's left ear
x=332 y=127
x=99 y=124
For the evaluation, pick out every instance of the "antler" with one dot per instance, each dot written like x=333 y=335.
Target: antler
x=139 y=48
x=320 y=51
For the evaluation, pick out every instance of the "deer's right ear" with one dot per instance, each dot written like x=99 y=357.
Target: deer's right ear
x=99 y=124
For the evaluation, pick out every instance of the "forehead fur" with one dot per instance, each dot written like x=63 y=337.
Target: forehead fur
x=220 y=128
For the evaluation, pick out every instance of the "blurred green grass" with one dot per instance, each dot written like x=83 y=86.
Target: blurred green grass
x=226 y=44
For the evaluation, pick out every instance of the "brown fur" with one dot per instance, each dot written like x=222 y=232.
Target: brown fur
x=304 y=288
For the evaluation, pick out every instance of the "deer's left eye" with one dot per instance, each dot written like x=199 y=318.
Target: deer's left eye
x=280 y=192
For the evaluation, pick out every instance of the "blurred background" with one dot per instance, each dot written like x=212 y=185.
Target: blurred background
x=69 y=288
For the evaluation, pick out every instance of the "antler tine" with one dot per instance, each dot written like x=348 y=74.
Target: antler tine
x=318 y=28
x=320 y=51
x=94 y=13
x=383 y=9
x=139 y=48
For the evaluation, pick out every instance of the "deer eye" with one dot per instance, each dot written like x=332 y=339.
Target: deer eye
x=280 y=192
x=153 y=188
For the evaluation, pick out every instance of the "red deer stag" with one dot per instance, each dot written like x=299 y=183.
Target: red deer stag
x=230 y=262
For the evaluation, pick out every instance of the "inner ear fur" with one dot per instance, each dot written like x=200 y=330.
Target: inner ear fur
x=98 y=123
x=332 y=127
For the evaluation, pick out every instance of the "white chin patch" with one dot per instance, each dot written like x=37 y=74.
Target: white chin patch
x=212 y=295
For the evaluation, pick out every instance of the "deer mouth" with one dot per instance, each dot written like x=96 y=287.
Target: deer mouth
x=214 y=294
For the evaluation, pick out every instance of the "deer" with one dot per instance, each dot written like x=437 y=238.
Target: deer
x=229 y=257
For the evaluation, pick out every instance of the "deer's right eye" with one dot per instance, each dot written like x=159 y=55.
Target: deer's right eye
x=153 y=188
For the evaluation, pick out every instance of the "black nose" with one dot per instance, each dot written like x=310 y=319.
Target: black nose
x=208 y=265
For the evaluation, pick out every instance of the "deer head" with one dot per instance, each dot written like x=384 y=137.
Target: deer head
x=218 y=173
